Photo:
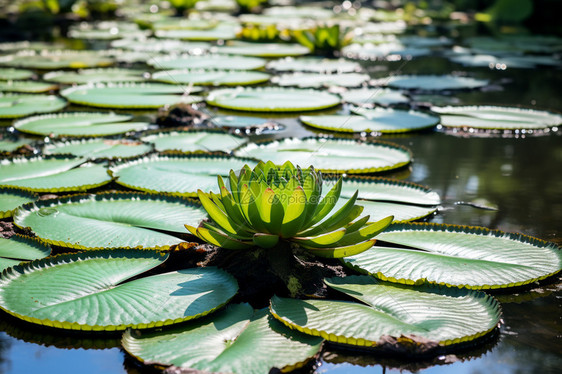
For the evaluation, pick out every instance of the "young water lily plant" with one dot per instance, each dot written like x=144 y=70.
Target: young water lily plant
x=271 y=203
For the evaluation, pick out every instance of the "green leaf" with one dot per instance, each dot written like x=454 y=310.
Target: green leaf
x=21 y=248
x=14 y=105
x=379 y=96
x=319 y=80
x=265 y=240
x=52 y=174
x=216 y=214
x=236 y=340
x=314 y=65
x=206 y=77
x=339 y=252
x=367 y=232
x=12 y=198
x=218 y=239
x=434 y=82
x=220 y=62
x=98 y=148
x=95 y=76
x=13 y=74
x=73 y=124
x=194 y=141
x=110 y=220
x=26 y=86
x=459 y=256
x=92 y=291
x=441 y=315
x=44 y=59
x=268 y=50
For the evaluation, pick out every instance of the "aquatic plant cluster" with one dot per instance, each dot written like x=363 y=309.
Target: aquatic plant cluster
x=187 y=220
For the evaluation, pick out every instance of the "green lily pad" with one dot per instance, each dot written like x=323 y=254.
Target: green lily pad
x=194 y=141
x=14 y=105
x=219 y=62
x=281 y=12
x=8 y=145
x=223 y=31
x=26 y=86
x=110 y=220
x=384 y=120
x=378 y=210
x=390 y=51
x=314 y=80
x=235 y=340
x=98 y=148
x=314 y=65
x=95 y=76
x=79 y=124
x=176 y=174
x=429 y=316
x=330 y=155
x=262 y=49
x=21 y=248
x=211 y=77
x=14 y=74
x=106 y=30
x=49 y=60
x=434 y=82
x=496 y=117
x=12 y=198
x=459 y=256
x=93 y=291
x=369 y=96
x=506 y=62
x=154 y=45
x=130 y=95
x=272 y=99
x=52 y=174
x=239 y=122
x=180 y=23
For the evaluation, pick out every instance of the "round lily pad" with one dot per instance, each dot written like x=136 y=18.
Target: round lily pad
x=262 y=49
x=331 y=155
x=95 y=75
x=459 y=256
x=56 y=60
x=194 y=141
x=384 y=120
x=62 y=292
x=52 y=174
x=79 y=124
x=313 y=80
x=272 y=99
x=99 y=148
x=219 y=62
x=369 y=96
x=243 y=122
x=110 y=220
x=11 y=145
x=11 y=198
x=27 y=86
x=390 y=51
x=21 y=248
x=506 y=62
x=12 y=74
x=179 y=175
x=495 y=117
x=314 y=65
x=211 y=77
x=130 y=95
x=14 y=105
x=154 y=45
x=434 y=82
x=105 y=30
x=223 y=31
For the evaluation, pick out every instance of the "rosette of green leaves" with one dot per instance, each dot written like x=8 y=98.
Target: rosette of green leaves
x=323 y=39
x=269 y=203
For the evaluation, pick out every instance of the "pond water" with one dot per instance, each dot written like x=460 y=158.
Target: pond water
x=518 y=174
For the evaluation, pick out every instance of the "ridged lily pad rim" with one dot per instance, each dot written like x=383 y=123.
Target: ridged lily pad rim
x=114 y=170
x=54 y=74
x=16 y=159
x=5 y=60
x=16 y=191
x=382 y=143
x=86 y=140
x=32 y=241
x=28 y=208
x=57 y=99
x=65 y=258
x=465 y=229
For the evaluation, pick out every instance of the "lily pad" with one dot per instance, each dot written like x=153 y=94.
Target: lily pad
x=423 y=318
x=496 y=117
x=459 y=256
x=369 y=96
x=262 y=49
x=314 y=65
x=110 y=220
x=52 y=174
x=235 y=340
x=105 y=30
x=8 y=145
x=194 y=141
x=434 y=82
x=21 y=248
x=109 y=300
x=26 y=86
x=56 y=59
x=14 y=105
x=154 y=45
x=79 y=124
x=272 y=99
x=384 y=120
x=330 y=155
x=390 y=51
x=239 y=122
x=223 y=31
x=211 y=77
x=130 y=95
x=219 y=62
x=313 y=80
x=377 y=210
x=506 y=62
x=12 y=198
x=13 y=74
x=95 y=76
x=177 y=174
x=98 y=148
